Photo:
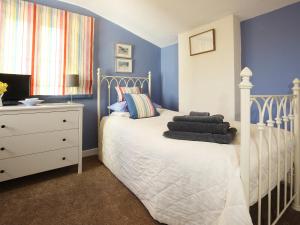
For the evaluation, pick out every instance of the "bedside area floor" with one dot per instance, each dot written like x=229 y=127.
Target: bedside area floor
x=62 y=197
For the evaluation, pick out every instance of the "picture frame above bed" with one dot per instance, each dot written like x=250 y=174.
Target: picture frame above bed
x=203 y=42
x=123 y=50
x=123 y=65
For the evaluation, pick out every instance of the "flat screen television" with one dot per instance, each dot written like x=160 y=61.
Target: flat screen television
x=18 y=88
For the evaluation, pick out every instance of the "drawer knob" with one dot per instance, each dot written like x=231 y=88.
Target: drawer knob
x=64 y=121
x=64 y=139
x=2 y=149
x=2 y=126
x=63 y=158
x=2 y=171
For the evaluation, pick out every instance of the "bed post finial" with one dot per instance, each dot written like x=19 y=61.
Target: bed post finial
x=296 y=83
x=246 y=74
x=296 y=92
x=149 y=83
x=245 y=89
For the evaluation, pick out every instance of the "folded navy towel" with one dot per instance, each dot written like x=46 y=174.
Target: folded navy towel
x=194 y=113
x=214 y=128
x=206 y=137
x=206 y=119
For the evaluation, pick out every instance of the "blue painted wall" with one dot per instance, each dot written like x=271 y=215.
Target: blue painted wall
x=146 y=57
x=271 y=49
x=169 y=76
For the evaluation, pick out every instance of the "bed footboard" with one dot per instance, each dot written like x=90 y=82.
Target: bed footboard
x=280 y=112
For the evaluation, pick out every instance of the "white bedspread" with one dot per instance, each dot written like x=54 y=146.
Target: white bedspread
x=179 y=182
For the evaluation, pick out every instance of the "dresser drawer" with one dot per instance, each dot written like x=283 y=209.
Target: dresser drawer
x=41 y=142
x=37 y=122
x=36 y=163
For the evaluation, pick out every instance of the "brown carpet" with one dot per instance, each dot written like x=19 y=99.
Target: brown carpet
x=61 y=197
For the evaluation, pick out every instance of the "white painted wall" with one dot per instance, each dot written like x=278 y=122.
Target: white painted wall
x=207 y=82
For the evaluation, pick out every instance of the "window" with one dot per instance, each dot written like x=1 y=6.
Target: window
x=48 y=44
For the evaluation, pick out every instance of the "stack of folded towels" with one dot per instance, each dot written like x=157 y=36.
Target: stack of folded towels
x=200 y=126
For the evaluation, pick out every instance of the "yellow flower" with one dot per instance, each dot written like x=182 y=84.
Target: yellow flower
x=3 y=88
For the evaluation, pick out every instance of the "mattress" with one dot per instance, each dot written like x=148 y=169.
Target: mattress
x=183 y=182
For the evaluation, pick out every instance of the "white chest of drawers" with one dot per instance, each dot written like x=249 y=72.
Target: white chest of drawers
x=39 y=138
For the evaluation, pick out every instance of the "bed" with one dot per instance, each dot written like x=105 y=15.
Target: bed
x=184 y=182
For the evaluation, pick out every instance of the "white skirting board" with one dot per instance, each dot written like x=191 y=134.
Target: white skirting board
x=89 y=152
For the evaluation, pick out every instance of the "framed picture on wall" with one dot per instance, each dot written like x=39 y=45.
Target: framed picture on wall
x=123 y=65
x=123 y=50
x=202 y=42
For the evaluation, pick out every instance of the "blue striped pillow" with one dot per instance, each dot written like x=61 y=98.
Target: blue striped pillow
x=140 y=106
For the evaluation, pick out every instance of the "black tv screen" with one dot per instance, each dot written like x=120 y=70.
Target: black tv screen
x=18 y=87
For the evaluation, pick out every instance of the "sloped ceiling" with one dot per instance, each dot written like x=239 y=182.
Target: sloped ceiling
x=159 y=21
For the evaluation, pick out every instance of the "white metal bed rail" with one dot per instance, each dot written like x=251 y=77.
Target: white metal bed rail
x=286 y=116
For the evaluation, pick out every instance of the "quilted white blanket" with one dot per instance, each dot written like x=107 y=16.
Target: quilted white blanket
x=179 y=182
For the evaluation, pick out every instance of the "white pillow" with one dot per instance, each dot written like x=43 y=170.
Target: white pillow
x=118 y=107
x=120 y=114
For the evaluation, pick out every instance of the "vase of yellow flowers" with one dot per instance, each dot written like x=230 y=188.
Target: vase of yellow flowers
x=3 y=89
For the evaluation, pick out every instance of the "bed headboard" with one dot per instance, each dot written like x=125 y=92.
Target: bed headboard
x=113 y=81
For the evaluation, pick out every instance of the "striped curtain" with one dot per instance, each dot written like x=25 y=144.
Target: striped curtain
x=80 y=34
x=48 y=69
x=58 y=43
x=16 y=29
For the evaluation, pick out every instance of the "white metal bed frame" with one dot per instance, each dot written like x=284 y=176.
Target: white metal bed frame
x=287 y=111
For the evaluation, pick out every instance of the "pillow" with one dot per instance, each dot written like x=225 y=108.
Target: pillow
x=118 y=107
x=140 y=106
x=156 y=105
x=120 y=114
x=124 y=90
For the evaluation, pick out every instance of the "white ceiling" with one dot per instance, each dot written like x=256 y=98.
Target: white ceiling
x=159 y=21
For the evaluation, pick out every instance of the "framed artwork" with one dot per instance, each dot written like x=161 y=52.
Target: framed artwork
x=202 y=42
x=123 y=51
x=123 y=65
